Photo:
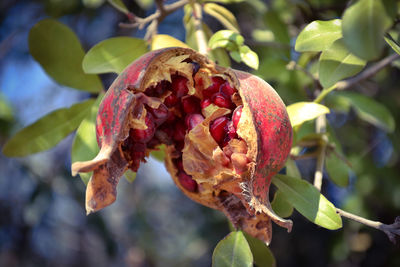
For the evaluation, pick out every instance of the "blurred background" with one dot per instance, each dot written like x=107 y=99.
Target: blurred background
x=42 y=216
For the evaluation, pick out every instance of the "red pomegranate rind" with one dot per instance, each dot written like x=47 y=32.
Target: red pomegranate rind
x=230 y=167
x=274 y=139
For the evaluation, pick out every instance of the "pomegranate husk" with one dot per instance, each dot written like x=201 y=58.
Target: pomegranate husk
x=243 y=196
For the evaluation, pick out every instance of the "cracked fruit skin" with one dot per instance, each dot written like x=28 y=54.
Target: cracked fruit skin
x=226 y=134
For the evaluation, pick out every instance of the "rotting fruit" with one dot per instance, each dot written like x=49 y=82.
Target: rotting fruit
x=226 y=133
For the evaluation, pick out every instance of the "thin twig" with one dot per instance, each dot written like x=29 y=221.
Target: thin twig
x=319 y=171
x=391 y=230
x=198 y=27
x=155 y=18
x=343 y=85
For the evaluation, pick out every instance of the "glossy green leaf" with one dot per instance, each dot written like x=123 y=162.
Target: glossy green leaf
x=292 y=169
x=262 y=255
x=307 y=200
x=301 y=112
x=84 y=146
x=159 y=154
x=223 y=15
x=48 y=131
x=370 y=110
x=224 y=38
x=363 y=27
x=113 y=55
x=119 y=5
x=337 y=169
x=337 y=63
x=163 y=40
x=130 y=176
x=281 y=206
x=232 y=251
x=249 y=57
x=60 y=54
x=318 y=35
x=393 y=44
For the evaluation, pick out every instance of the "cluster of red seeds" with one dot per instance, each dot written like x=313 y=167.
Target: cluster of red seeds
x=179 y=113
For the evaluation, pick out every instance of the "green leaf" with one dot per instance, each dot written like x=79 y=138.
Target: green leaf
x=60 y=54
x=249 y=57
x=223 y=15
x=232 y=251
x=337 y=63
x=84 y=146
x=338 y=170
x=113 y=55
x=291 y=168
x=307 y=200
x=159 y=154
x=301 y=112
x=370 y=110
x=363 y=27
x=393 y=44
x=47 y=131
x=163 y=40
x=262 y=255
x=119 y=5
x=281 y=206
x=224 y=38
x=318 y=35
x=130 y=176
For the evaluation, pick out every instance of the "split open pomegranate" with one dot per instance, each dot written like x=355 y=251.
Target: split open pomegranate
x=226 y=134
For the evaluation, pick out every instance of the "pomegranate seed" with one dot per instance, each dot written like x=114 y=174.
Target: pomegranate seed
x=221 y=101
x=180 y=131
x=179 y=145
x=192 y=120
x=191 y=104
x=230 y=133
x=205 y=103
x=140 y=135
x=160 y=114
x=187 y=182
x=179 y=164
x=214 y=88
x=137 y=153
x=171 y=100
x=217 y=129
x=171 y=117
x=162 y=87
x=236 y=116
x=227 y=89
x=153 y=142
x=179 y=85
x=150 y=91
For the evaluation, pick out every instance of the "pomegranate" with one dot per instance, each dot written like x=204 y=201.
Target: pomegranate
x=226 y=134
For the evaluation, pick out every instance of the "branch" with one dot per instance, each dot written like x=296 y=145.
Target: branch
x=343 y=85
x=198 y=27
x=319 y=171
x=155 y=18
x=391 y=230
